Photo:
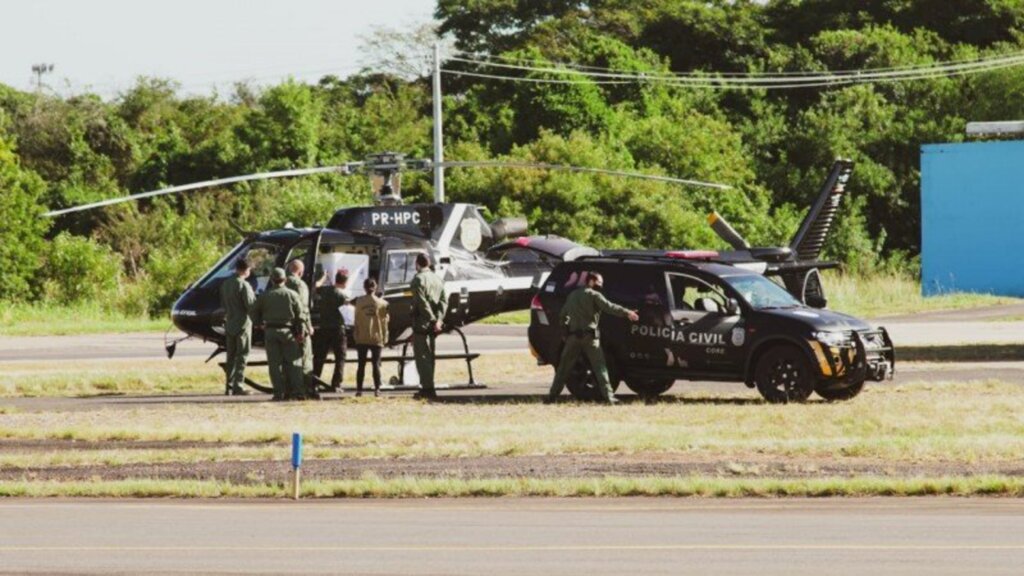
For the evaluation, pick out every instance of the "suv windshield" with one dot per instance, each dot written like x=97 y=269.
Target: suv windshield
x=761 y=293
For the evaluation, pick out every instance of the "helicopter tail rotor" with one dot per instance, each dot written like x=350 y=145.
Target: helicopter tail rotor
x=726 y=232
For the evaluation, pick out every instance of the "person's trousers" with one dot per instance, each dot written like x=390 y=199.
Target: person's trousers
x=362 y=351
x=423 y=347
x=577 y=347
x=331 y=340
x=237 y=347
x=284 y=361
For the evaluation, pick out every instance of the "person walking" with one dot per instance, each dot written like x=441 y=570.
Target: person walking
x=279 y=311
x=370 y=333
x=295 y=283
x=429 y=305
x=579 y=318
x=237 y=299
x=330 y=336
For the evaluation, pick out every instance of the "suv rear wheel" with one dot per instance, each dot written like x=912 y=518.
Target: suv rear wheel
x=649 y=387
x=783 y=375
x=582 y=383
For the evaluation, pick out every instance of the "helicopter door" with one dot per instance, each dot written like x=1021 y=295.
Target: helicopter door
x=398 y=270
x=306 y=250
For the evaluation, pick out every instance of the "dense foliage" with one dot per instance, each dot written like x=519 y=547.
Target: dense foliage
x=774 y=146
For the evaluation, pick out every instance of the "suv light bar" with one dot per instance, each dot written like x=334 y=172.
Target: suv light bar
x=692 y=254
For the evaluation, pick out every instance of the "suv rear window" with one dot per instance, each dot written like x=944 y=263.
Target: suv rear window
x=625 y=284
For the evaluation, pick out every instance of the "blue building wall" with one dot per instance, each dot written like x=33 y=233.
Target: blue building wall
x=972 y=218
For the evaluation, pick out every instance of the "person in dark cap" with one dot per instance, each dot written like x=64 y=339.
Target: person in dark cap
x=279 y=311
x=237 y=298
x=330 y=335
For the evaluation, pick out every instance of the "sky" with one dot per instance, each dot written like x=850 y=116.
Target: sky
x=104 y=45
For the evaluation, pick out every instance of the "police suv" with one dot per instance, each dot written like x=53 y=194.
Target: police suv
x=704 y=320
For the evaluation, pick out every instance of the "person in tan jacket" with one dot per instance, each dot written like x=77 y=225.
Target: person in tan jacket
x=370 y=332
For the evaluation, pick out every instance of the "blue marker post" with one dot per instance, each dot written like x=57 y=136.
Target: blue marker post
x=296 y=463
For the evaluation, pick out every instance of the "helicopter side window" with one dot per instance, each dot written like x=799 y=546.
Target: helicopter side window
x=261 y=258
x=401 y=267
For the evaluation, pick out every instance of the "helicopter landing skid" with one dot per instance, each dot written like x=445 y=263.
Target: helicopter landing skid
x=397 y=383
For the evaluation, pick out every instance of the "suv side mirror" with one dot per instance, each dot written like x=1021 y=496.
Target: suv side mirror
x=732 y=307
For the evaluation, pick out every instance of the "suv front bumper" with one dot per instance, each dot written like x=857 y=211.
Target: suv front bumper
x=869 y=354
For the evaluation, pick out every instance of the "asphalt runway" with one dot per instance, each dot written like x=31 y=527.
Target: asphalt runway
x=516 y=536
x=149 y=345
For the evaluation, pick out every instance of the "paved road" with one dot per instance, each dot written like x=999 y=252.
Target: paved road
x=151 y=345
x=512 y=536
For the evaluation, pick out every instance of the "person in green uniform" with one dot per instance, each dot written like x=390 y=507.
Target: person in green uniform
x=330 y=336
x=295 y=283
x=579 y=318
x=279 y=311
x=429 y=305
x=237 y=298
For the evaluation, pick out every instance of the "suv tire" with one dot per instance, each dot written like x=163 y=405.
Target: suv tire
x=841 y=394
x=649 y=387
x=582 y=383
x=784 y=375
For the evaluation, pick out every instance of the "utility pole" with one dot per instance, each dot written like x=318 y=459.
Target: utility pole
x=39 y=70
x=438 y=138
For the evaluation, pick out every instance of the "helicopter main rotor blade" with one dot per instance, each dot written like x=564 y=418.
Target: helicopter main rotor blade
x=344 y=169
x=568 y=168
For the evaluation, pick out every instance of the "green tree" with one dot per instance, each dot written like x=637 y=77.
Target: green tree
x=21 y=234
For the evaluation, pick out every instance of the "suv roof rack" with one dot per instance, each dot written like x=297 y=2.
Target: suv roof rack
x=690 y=257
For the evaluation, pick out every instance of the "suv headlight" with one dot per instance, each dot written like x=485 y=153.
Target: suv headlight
x=831 y=339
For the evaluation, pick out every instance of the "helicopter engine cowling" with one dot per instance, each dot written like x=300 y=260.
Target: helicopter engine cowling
x=504 y=228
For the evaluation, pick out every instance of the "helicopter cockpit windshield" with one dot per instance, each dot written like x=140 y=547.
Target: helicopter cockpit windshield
x=260 y=255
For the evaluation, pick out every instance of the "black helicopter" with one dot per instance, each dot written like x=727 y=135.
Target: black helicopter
x=488 y=267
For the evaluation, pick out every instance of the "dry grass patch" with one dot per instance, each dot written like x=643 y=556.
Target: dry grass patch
x=192 y=376
x=945 y=422
x=371 y=487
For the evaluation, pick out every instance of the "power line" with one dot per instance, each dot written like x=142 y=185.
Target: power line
x=482 y=58
x=945 y=69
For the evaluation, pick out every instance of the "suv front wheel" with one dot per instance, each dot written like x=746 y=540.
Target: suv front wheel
x=649 y=387
x=783 y=374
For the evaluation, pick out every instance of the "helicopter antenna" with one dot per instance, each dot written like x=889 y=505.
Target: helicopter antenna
x=344 y=169
x=568 y=168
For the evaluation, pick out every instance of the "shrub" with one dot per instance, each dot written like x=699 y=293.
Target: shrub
x=79 y=269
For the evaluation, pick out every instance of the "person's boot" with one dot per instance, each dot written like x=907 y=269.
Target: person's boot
x=239 y=391
x=549 y=399
x=376 y=392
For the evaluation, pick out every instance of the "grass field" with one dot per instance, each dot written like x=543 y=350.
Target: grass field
x=965 y=423
x=46 y=320
x=915 y=439
x=891 y=295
